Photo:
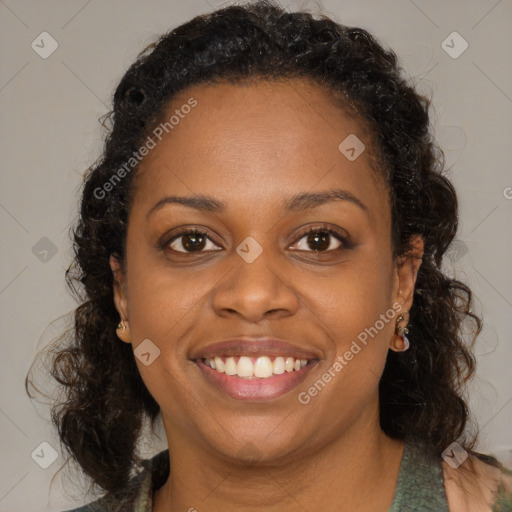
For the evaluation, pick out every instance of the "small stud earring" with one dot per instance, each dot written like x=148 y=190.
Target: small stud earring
x=121 y=325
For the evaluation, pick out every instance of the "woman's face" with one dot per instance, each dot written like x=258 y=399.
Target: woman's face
x=266 y=156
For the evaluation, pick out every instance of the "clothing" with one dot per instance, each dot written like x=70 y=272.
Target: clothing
x=420 y=486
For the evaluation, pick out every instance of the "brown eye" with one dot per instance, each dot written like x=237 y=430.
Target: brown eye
x=191 y=241
x=321 y=240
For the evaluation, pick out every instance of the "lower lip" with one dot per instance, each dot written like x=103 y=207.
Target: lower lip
x=255 y=390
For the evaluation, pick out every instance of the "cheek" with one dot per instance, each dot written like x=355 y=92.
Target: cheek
x=160 y=301
x=354 y=308
x=352 y=299
x=360 y=329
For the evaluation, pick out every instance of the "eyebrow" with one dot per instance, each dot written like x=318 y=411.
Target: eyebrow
x=296 y=203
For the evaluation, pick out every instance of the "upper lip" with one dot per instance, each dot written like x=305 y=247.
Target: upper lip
x=253 y=346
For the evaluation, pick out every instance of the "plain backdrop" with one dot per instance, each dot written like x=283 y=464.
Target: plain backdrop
x=50 y=134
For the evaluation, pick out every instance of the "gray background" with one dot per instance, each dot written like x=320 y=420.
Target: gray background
x=50 y=135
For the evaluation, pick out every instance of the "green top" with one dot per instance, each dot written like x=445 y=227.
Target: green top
x=420 y=486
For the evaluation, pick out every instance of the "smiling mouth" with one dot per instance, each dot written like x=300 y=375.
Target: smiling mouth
x=255 y=379
x=262 y=367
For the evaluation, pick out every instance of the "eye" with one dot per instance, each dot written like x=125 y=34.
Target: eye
x=192 y=240
x=322 y=239
x=315 y=239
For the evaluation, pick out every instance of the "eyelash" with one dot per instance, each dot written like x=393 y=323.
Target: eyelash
x=345 y=242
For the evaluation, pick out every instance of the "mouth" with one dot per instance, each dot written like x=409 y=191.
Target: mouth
x=254 y=369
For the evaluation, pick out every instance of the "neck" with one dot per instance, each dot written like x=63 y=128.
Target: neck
x=356 y=471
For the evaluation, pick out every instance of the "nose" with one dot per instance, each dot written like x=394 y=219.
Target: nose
x=256 y=291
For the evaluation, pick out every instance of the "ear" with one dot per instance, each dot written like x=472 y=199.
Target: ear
x=120 y=298
x=406 y=272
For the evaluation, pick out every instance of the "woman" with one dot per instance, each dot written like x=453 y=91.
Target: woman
x=260 y=248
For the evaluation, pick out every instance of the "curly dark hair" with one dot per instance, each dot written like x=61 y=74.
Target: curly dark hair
x=105 y=402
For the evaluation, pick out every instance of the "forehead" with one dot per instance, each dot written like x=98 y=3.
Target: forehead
x=257 y=142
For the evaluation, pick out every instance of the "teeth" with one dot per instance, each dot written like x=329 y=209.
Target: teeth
x=218 y=364
x=244 y=368
x=230 y=367
x=278 y=365
x=261 y=367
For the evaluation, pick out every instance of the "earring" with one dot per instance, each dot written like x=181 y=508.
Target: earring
x=401 y=333
x=123 y=331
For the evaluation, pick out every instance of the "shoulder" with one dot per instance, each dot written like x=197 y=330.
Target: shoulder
x=479 y=484
x=137 y=494
x=124 y=499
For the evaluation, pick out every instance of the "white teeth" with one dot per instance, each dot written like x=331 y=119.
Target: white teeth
x=230 y=367
x=244 y=367
x=262 y=368
x=279 y=365
x=219 y=364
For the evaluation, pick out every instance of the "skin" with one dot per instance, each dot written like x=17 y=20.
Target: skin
x=252 y=146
